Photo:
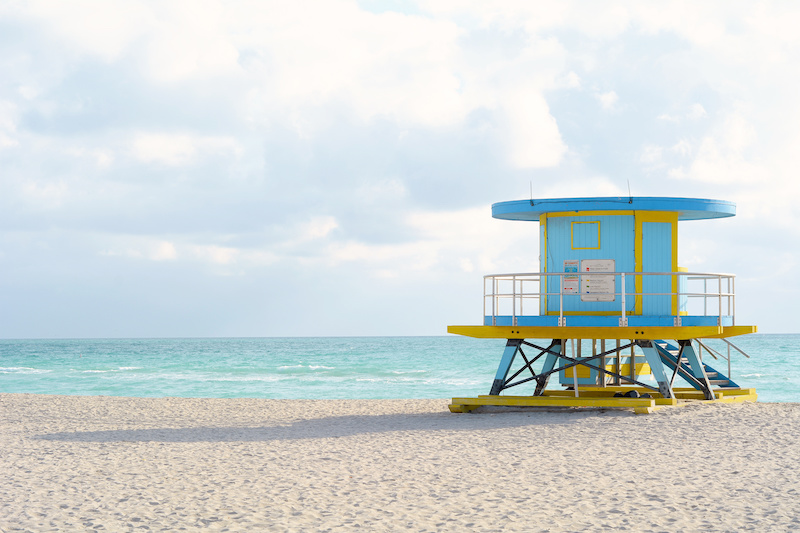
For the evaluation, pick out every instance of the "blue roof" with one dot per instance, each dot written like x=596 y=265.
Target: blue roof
x=687 y=208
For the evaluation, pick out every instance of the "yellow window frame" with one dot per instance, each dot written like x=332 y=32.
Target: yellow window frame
x=572 y=234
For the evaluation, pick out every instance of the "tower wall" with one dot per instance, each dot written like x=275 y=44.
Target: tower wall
x=588 y=243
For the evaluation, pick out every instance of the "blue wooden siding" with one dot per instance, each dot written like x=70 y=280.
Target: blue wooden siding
x=617 y=238
x=656 y=257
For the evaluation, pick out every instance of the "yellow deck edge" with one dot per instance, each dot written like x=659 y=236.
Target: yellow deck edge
x=569 y=332
x=733 y=331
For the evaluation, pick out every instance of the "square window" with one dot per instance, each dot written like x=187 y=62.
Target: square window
x=586 y=235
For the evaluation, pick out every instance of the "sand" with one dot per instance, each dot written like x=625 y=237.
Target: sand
x=71 y=463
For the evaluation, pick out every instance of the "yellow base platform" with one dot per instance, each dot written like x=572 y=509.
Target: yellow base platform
x=604 y=397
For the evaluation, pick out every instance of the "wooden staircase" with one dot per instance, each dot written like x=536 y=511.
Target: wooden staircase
x=716 y=378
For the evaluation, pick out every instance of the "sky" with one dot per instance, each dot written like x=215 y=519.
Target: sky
x=327 y=168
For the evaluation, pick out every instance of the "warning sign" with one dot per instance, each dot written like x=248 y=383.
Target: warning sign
x=571 y=283
x=595 y=286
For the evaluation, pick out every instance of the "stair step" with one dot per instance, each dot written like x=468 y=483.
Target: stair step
x=721 y=382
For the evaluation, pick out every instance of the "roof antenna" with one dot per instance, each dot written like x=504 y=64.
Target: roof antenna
x=531 y=182
x=630 y=198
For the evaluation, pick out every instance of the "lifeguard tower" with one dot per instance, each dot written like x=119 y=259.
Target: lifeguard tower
x=621 y=321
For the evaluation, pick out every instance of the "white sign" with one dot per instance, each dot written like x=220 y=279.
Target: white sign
x=571 y=283
x=597 y=287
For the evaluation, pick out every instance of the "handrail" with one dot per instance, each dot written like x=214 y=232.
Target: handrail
x=720 y=296
x=724 y=357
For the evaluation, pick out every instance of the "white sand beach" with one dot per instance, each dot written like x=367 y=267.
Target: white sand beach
x=70 y=463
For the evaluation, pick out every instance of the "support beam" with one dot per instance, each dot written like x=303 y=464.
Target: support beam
x=512 y=346
x=549 y=363
x=657 y=368
x=568 y=362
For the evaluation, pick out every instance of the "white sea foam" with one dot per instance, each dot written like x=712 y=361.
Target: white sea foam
x=240 y=379
x=310 y=367
x=22 y=370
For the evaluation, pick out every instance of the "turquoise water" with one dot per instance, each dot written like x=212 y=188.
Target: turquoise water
x=318 y=368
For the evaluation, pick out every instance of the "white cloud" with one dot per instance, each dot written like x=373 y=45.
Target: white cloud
x=8 y=124
x=179 y=149
x=135 y=247
x=221 y=255
x=570 y=81
x=180 y=249
x=102 y=29
x=696 y=111
x=7 y=141
x=386 y=190
x=384 y=258
x=534 y=140
x=102 y=158
x=172 y=41
x=190 y=40
x=683 y=148
x=168 y=149
x=608 y=99
x=587 y=186
x=45 y=194
x=466 y=240
x=475 y=238
x=163 y=251
x=722 y=156
x=651 y=155
x=381 y=65
x=316 y=228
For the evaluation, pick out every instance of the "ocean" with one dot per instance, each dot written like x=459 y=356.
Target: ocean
x=319 y=368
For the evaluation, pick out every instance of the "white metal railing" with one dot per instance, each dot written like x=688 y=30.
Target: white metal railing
x=531 y=294
x=714 y=353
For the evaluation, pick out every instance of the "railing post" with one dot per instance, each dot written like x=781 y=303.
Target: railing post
x=561 y=300
x=733 y=292
x=540 y=300
x=513 y=300
x=623 y=321
x=494 y=299
x=676 y=282
x=483 y=317
x=543 y=296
